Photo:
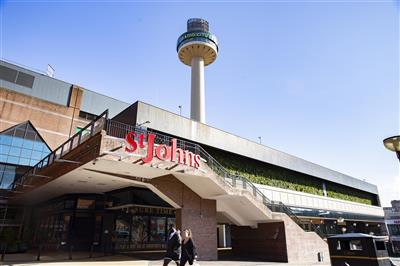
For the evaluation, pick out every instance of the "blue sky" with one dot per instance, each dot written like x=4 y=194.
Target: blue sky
x=319 y=80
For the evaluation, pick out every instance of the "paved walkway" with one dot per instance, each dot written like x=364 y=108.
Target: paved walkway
x=130 y=262
x=82 y=258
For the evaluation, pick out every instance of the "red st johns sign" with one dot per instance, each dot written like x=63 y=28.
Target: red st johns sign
x=162 y=151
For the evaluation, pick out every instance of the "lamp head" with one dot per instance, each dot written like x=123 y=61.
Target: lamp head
x=392 y=143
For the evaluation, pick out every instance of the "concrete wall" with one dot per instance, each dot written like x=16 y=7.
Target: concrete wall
x=182 y=127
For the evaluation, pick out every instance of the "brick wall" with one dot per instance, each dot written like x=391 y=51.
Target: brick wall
x=266 y=242
x=54 y=122
x=195 y=213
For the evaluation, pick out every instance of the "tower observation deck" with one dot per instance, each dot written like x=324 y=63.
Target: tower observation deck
x=197 y=48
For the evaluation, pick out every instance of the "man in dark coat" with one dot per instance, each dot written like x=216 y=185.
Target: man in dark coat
x=173 y=247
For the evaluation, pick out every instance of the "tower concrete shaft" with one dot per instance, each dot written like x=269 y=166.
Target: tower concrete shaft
x=197 y=103
x=197 y=48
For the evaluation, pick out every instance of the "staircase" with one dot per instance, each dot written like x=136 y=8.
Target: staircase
x=37 y=174
x=34 y=176
x=236 y=182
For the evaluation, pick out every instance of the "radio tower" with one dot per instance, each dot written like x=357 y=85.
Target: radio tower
x=197 y=48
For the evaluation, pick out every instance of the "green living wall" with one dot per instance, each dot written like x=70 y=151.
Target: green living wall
x=267 y=174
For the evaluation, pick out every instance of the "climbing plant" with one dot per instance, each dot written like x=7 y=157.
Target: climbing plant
x=275 y=176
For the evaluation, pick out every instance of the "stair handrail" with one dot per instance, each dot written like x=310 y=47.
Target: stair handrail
x=81 y=136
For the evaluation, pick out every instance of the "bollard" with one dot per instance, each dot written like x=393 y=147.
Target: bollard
x=91 y=250
x=3 y=254
x=70 y=252
x=39 y=252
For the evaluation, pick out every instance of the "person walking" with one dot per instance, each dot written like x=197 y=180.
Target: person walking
x=189 y=253
x=173 y=246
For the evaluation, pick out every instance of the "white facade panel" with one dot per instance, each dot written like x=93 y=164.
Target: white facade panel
x=300 y=199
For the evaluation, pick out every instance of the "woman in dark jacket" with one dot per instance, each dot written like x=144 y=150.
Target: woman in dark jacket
x=188 y=248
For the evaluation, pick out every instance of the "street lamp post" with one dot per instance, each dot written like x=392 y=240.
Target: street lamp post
x=393 y=144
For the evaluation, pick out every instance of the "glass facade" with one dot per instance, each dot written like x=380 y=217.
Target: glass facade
x=9 y=172
x=86 y=219
x=70 y=219
x=142 y=219
x=21 y=146
x=139 y=228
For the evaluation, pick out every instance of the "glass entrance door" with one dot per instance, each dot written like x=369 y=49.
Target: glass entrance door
x=83 y=231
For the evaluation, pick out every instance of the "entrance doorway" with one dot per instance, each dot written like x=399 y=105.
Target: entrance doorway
x=83 y=231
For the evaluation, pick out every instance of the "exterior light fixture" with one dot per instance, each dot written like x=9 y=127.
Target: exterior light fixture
x=393 y=144
x=144 y=123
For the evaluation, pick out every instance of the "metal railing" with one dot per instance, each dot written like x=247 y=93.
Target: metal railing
x=119 y=130
x=84 y=134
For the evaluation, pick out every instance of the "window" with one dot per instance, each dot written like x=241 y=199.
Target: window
x=87 y=116
x=22 y=145
x=25 y=80
x=394 y=229
x=380 y=245
x=85 y=204
x=157 y=229
x=349 y=245
x=122 y=228
x=69 y=204
x=171 y=221
x=18 y=77
x=139 y=229
x=342 y=245
x=85 y=132
x=8 y=173
x=355 y=245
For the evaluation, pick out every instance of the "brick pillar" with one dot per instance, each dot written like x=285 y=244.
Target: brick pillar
x=74 y=102
x=75 y=97
x=195 y=213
